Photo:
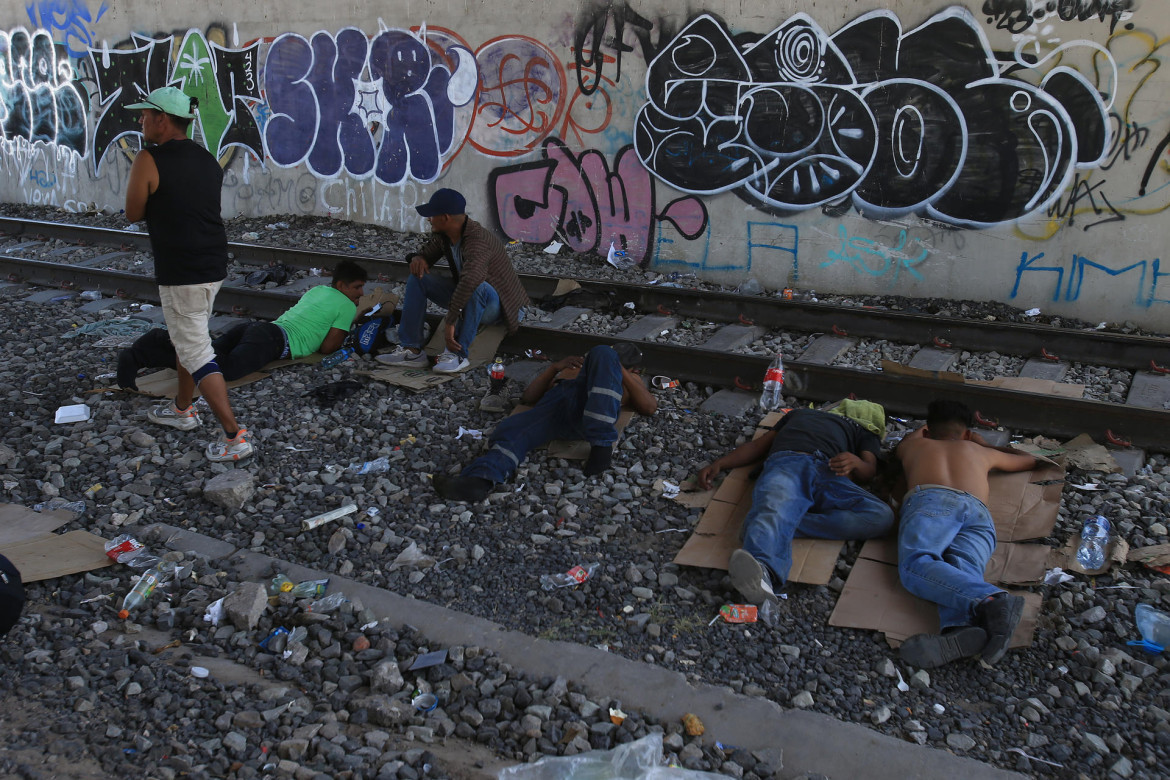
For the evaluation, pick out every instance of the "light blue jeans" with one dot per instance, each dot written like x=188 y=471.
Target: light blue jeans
x=798 y=495
x=945 y=540
x=483 y=308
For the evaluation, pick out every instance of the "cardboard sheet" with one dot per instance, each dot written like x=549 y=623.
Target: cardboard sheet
x=19 y=523
x=1010 y=564
x=55 y=555
x=874 y=599
x=1024 y=504
x=482 y=350
x=1084 y=453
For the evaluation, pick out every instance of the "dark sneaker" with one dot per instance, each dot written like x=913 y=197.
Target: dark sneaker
x=999 y=616
x=600 y=456
x=750 y=578
x=462 y=488
x=928 y=651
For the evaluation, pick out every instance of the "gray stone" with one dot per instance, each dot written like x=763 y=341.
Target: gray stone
x=386 y=677
x=245 y=605
x=1095 y=743
x=645 y=594
x=933 y=359
x=647 y=327
x=1038 y=368
x=1093 y=615
x=235 y=742
x=802 y=700
x=960 y=742
x=731 y=337
x=293 y=749
x=731 y=403
x=563 y=316
x=826 y=349
x=231 y=489
x=880 y=715
x=1149 y=390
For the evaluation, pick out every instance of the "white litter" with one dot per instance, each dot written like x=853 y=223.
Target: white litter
x=1032 y=312
x=71 y=414
x=553 y=248
x=477 y=435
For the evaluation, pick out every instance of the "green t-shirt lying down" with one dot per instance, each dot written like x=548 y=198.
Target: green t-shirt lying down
x=308 y=322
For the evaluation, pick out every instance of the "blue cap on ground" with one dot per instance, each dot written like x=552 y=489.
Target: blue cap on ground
x=444 y=201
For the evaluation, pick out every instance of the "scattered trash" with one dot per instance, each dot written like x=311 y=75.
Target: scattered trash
x=411 y=557
x=427 y=660
x=1032 y=312
x=772 y=396
x=214 y=612
x=71 y=414
x=1089 y=486
x=692 y=725
x=328 y=604
x=91 y=295
x=267 y=641
x=301 y=590
x=641 y=759
x=326 y=234
x=1057 y=576
x=535 y=354
x=619 y=259
x=1033 y=758
x=630 y=305
x=316 y=271
x=375 y=466
x=1154 y=627
x=337 y=358
x=902 y=686
x=571 y=578
x=739 y=613
x=616 y=716
x=553 y=248
x=750 y=286
x=669 y=489
x=477 y=435
x=53 y=504
x=372 y=511
x=200 y=671
x=664 y=382
x=325 y=517
x=1094 y=540
x=277 y=226
x=124 y=548
x=425 y=702
x=145 y=586
x=251 y=236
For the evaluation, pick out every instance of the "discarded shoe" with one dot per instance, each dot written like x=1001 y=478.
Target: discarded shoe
x=750 y=578
x=600 y=456
x=929 y=651
x=450 y=363
x=227 y=450
x=166 y=414
x=999 y=616
x=404 y=357
x=462 y=488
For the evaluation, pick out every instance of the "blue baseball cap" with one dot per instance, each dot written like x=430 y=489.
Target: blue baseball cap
x=444 y=201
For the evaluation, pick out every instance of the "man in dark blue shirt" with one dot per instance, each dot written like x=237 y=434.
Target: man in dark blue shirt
x=812 y=462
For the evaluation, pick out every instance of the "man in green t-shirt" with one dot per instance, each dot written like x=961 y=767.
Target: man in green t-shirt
x=318 y=322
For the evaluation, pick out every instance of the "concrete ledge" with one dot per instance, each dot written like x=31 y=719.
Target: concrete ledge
x=811 y=742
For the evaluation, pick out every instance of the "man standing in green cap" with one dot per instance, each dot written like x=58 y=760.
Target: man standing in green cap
x=175 y=186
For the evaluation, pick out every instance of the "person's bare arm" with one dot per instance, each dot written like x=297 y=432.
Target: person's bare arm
x=1008 y=460
x=859 y=468
x=744 y=455
x=333 y=341
x=641 y=399
x=543 y=381
x=143 y=181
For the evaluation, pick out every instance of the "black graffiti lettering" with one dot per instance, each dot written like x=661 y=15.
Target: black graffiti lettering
x=896 y=122
x=589 y=40
x=1084 y=192
x=1016 y=16
x=123 y=77
x=1128 y=137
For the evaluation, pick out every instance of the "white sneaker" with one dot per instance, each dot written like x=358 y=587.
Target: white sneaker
x=450 y=363
x=403 y=357
x=166 y=414
x=229 y=449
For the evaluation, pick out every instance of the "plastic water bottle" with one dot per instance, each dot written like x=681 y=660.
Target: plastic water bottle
x=567 y=579
x=496 y=373
x=773 y=396
x=1094 y=540
x=337 y=358
x=1153 y=625
x=145 y=587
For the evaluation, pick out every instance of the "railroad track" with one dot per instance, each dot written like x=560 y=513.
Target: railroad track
x=1144 y=426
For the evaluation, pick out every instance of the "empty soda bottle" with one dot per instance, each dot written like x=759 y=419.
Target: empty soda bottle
x=772 y=397
x=145 y=586
x=1094 y=540
x=496 y=374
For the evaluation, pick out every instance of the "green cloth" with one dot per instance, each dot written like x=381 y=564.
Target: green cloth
x=867 y=414
x=308 y=322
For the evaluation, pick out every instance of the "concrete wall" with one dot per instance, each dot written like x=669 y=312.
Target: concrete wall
x=1010 y=150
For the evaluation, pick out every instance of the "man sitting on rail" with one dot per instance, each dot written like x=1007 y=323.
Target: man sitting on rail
x=812 y=462
x=575 y=398
x=946 y=537
x=318 y=322
x=483 y=287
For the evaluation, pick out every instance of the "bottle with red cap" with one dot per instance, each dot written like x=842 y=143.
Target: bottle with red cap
x=496 y=372
x=772 y=398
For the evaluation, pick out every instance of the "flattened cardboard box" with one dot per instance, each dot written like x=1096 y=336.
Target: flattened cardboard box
x=1010 y=564
x=55 y=555
x=18 y=523
x=417 y=379
x=1024 y=504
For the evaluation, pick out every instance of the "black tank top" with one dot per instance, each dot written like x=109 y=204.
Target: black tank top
x=186 y=231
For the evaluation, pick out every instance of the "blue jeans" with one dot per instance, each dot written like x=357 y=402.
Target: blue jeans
x=945 y=540
x=483 y=308
x=798 y=495
x=585 y=407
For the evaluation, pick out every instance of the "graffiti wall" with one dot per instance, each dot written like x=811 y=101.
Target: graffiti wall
x=1012 y=150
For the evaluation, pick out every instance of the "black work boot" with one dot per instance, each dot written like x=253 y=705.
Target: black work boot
x=999 y=615
x=462 y=488
x=929 y=651
x=600 y=456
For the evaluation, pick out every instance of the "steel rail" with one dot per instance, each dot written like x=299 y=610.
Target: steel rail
x=1115 y=350
x=1051 y=415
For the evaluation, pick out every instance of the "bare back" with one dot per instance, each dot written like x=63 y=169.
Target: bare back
x=959 y=464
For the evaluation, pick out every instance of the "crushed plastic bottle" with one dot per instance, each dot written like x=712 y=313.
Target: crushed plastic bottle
x=568 y=579
x=77 y=507
x=328 y=604
x=772 y=397
x=376 y=466
x=750 y=286
x=124 y=548
x=301 y=590
x=1154 y=627
x=337 y=358
x=145 y=586
x=1094 y=540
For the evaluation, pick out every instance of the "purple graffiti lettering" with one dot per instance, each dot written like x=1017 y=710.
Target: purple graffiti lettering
x=521 y=96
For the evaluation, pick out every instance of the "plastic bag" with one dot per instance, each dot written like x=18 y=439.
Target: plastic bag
x=410 y=558
x=638 y=760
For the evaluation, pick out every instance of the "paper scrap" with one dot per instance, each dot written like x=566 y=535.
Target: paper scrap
x=477 y=435
x=554 y=247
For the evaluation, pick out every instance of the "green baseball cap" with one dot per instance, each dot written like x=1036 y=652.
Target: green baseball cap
x=169 y=100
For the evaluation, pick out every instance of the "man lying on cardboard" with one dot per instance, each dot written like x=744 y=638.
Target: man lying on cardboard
x=575 y=398
x=946 y=538
x=813 y=462
x=318 y=322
